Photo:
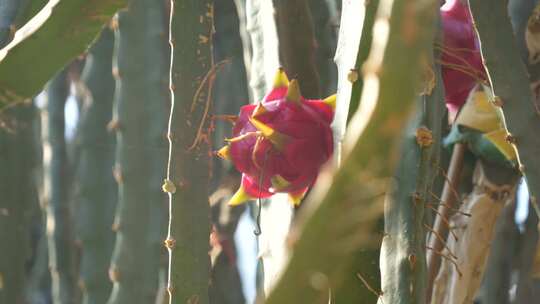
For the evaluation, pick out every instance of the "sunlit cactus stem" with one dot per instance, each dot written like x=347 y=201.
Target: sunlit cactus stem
x=297 y=44
x=140 y=122
x=56 y=169
x=96 y=193
x=511 y=87
x=350 y=86
x=403 y=258
x=187 y=174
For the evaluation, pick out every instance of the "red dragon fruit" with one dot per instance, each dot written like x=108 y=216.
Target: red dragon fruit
x=281 y=143
x=462 y=66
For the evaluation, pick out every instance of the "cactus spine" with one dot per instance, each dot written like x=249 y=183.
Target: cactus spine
x=341 y=216
x=56 y=169
x=510 y=82
x=27 y=64
x=96 y=195
x=187 y=174
x=139 y=119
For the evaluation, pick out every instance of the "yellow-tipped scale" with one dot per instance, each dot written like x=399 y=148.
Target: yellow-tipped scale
x=224 y=153
x=281 y=80
x=296 y=199
x=293 y=92
x=240 y=197
x=277 y=139
x=331 y=101
x=279 y=183
x=259 y=110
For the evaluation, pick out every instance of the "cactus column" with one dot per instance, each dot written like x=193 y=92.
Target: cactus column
x=403 y=259
x=96 y=195
x=510 y=82
x=18 y=193
x=139 y=119
x=187 y=176
x=56 y=187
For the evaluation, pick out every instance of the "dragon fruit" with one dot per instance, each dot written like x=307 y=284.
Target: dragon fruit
x=462 y=66
x=280 y=144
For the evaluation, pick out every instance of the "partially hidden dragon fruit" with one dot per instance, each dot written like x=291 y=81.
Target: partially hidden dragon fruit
x=280 y=144
x=462 y=66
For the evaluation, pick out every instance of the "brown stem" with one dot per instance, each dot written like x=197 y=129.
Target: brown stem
x=444 y=210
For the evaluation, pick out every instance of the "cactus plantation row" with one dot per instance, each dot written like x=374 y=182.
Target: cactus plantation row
x=239 y=151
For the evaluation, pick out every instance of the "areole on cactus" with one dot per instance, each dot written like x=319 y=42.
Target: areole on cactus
x=280 y=144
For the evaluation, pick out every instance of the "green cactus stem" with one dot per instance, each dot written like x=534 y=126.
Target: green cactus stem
x=403 y=259
x=230 y=91
x=344 y=209
x=325 y=21
x=56 y=170
x=496 y=281
x=354 y=43
x=140 y=122
x=17 y=185
x=510 y=82
x=32 y=58
x=187 y=176
x=97 y=192
x=297 y=44
x=13 y=14
x=8 y=14
x=363 y=52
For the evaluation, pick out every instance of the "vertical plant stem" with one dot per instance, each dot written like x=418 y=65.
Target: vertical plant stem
x=140 y=121
x=297 y=44
x=18 y=194
x=187 y=173
x=363 y=52
x=355 y=40
x=509 y=80
x=97 y=192
x=448 y=202
x=57 y=184
x=403 y=259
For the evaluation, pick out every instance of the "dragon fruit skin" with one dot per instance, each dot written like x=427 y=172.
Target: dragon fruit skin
x=281 y=143
x=461 y=52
